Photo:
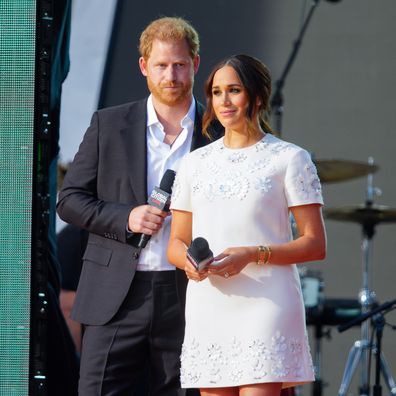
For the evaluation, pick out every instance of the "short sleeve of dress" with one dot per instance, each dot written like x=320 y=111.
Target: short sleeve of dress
x=181 y=193
x=302 y=184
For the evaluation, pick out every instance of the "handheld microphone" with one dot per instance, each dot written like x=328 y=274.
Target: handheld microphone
x=160 y=198
x=199 y=254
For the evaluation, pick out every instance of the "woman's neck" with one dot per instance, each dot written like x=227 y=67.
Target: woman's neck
x=236 y=139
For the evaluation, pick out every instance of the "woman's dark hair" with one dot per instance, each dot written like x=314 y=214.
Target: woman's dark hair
x=255 y=78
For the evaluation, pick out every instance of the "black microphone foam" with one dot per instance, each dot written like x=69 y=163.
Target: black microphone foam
x=199 y=253
x=199 y=248
x=167 y=181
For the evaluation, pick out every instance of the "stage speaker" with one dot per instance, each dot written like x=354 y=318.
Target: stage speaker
x=28 y=147
x=17 y=95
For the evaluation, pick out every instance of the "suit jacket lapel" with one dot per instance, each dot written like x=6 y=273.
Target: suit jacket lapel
x=134 y=143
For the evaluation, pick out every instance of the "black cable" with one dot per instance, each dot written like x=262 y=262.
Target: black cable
x=393 y=327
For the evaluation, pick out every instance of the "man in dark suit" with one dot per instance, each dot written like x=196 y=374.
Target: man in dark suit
x=131 y=302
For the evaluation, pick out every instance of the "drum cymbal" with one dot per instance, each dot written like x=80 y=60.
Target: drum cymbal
x=330 y=171
x=362 y=214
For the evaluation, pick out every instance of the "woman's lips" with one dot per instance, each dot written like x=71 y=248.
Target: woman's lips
x=227 y=113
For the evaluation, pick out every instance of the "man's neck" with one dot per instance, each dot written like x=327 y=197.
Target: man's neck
x=170 y=116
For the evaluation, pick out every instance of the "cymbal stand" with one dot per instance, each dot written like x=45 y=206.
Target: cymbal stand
x=377 y=315
x=361 y=348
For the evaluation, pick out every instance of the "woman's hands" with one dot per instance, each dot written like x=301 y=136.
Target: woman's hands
x=310 y=245
x=193 y=274
x=229 y=263
x=232 y=261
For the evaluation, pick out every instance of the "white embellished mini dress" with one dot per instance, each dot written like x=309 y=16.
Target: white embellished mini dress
x=249 y=328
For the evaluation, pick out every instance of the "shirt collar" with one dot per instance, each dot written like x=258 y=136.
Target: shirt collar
x=151 y=113
x=189 y=118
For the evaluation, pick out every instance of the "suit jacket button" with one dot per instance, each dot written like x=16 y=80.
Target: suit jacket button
x=136 y=255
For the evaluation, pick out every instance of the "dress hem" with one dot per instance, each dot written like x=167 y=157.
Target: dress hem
x=285 y=384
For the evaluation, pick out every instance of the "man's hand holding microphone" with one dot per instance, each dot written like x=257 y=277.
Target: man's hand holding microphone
x=148 y=219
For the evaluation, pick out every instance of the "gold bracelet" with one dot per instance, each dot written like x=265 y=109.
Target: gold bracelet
x=269 y=254
x=263 y=255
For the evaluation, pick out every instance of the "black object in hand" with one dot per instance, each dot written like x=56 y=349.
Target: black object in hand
x=199 y=253
x=160 y=198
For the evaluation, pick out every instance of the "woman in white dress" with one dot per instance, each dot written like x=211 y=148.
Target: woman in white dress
x=245 y=320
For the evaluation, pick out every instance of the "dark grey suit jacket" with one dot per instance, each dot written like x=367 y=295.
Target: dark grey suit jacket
x=106 y=180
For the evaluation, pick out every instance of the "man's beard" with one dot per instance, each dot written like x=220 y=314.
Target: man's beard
x=171 y=97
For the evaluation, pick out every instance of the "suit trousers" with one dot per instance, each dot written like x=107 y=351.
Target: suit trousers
x=147 y=332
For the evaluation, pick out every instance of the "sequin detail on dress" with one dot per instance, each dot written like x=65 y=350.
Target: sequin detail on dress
x=237 y=157
x=307 y=183
x=231 y=185
x=238 y=360
x=263 y=184
x=176 y=188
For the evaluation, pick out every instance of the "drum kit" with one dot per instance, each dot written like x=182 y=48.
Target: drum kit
x=321 y=311
x=327 y=312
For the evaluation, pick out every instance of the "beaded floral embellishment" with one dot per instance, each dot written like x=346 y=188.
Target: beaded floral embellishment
x=238 y=361
x=308 y=183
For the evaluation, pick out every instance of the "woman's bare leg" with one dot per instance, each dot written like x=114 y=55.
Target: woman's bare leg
x=268 y=389
x=231 y=391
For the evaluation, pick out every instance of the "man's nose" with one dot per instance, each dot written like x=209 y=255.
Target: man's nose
x=170 y=73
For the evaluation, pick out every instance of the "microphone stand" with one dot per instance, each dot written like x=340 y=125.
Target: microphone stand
x=379 y=323
x=277 y=98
